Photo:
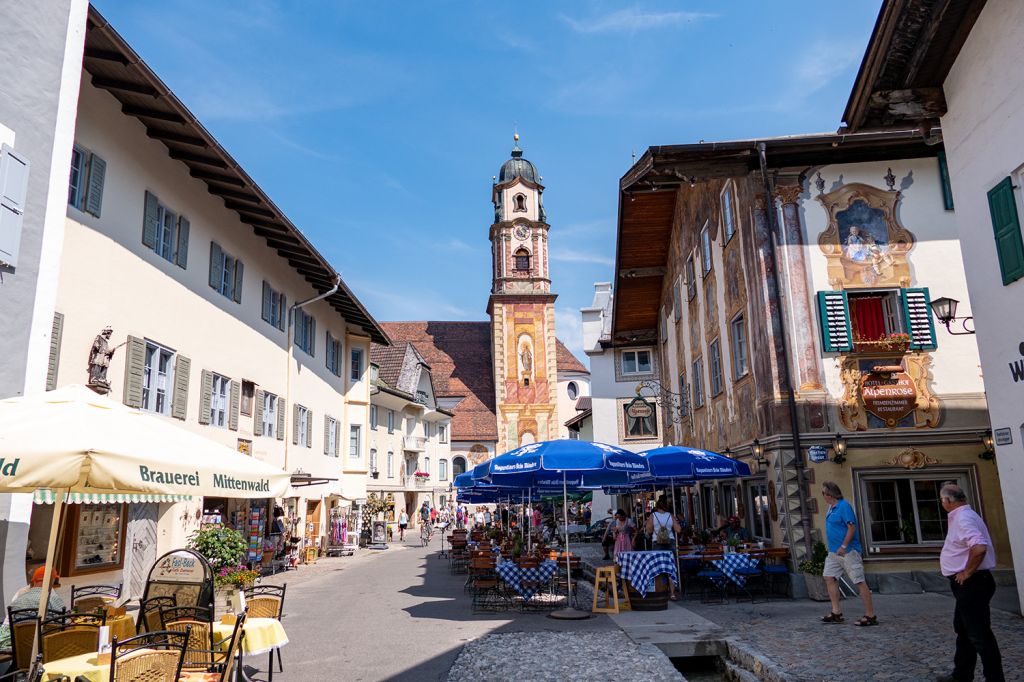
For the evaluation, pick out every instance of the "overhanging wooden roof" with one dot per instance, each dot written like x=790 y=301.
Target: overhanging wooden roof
x=115 y=67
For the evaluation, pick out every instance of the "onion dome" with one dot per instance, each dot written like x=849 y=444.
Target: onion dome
x=517 y=166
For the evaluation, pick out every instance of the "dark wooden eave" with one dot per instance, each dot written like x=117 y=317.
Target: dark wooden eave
x=911 y=50
x=115 y=67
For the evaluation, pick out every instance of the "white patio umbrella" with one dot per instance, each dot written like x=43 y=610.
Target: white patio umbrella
x=74 y=441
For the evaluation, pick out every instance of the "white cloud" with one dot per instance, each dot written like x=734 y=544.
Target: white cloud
x=569 y=328
x=455 y=244
x=632 y=20
x=820 y=63
x=571 y=256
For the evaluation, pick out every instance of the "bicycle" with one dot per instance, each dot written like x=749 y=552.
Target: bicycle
x=426 y=534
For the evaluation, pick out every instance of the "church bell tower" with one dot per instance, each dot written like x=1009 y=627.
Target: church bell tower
x=522 y=308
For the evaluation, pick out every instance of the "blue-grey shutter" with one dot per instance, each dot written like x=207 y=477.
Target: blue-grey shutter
x=205 y=396
x=181 y=251
x=312 y=337
x=237 y=293
x=150 y=220
x=179 y=399
x=1006 y=223
x=13 y=190
x=309 y=428
x=267 y=301
x=216 y=265
x=135 y=367
x=282 y=318
x=295 y=424
x=54 y=361
x=834 y=312
x=327 y=435
x=235 y=401
x=917 y=313
x=337 y=436
x=257 y=422
x=282 y=405
x=94 y=195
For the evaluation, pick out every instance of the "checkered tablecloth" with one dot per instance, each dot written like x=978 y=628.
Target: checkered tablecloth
x=641 y=568
x=733 y=565
x=515 y=576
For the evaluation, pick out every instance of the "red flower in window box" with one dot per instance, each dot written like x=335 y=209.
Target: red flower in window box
x=422 y=474
x=890 y=343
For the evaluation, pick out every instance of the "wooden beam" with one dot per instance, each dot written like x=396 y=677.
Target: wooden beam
x=105 y=55
x=232 y=194
x=197 y=158
x=246 y=208
x=201 y=174
x=146 y=112
x=167 y=136
x=633 y=273
x=278 y=234
x=124 y=86
x=273 y=227
x=913 y=104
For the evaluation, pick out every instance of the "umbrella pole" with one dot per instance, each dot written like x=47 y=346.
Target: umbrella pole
x=51 y=555
x=675 y=550
x=568 y=613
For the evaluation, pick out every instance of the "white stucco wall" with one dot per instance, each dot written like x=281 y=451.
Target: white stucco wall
x=984 y=138
x=567 y=405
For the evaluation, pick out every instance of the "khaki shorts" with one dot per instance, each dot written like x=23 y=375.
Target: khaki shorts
x=850 y=563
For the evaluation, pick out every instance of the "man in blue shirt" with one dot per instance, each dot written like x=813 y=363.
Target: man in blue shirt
x=844 y=555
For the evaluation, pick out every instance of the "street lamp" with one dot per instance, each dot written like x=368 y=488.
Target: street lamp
x=839 y=447
x=945 y=311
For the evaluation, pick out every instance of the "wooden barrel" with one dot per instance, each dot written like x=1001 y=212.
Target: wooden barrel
x=654 y=601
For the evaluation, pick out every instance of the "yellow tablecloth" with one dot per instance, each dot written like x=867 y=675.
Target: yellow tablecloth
x=83 y=664
x=261 y=634
x=121 y=627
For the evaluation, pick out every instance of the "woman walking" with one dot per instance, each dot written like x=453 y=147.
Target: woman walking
x=663 y=529
x=403 y=523
x=623 y=529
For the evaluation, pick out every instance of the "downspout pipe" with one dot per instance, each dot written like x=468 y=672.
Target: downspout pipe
x=787 y=384
x=290 y=340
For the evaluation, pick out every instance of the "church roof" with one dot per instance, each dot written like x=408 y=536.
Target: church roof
x=518 y=167
x=566 y=361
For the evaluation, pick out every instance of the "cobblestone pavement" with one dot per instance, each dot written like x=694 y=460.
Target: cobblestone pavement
x=913 y=642
x=561 y=655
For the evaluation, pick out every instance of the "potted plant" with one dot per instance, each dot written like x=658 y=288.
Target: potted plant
x=812 y=569
x=733 y=542
x=225 y=549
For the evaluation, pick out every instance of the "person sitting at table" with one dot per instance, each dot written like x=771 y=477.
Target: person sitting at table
x=733 y=529
x=662 y=529
x=28 y=598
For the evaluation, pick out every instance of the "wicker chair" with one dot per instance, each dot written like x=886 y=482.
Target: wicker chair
x=200 y=652
x=149 y=613
x=94 y=596
x=160 y=662
x=225 y=670
x=23 y=632
x=69 y=635
x=267 y=601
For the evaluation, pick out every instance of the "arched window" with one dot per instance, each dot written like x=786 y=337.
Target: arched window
x=573 y=389
x=458 y=465
x=519 y=203
x=522 y=257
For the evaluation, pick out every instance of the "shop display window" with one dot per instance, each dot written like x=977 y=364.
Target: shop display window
x=96 y=540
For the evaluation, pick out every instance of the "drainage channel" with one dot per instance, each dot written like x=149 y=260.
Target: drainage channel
x=701 y=668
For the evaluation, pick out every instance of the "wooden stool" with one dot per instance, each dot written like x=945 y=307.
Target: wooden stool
x=606 y=586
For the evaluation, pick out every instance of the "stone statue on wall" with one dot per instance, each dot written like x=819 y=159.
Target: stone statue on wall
x=99 y=361
x=526 y=357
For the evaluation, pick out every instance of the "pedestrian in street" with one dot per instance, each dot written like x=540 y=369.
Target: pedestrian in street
x=487 y=517
x=460 y=517
x=433 y=515
x=623 y=530
x=425 y=514
x=844 y=555
x=967 y=559
x=403 y=523
x=478 y=518
x=662 y=529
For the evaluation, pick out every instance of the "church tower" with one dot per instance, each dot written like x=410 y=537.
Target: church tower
x=522 y=308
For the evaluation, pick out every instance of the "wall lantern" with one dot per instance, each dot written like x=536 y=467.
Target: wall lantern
x=990 y=446
x=945 y=311
x=839 y=447
x=757 y=449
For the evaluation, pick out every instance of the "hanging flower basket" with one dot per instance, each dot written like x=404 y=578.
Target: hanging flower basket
x=422 y=474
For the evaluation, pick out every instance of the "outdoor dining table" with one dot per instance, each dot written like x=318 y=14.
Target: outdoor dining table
x=260 y=635
x=515 y=575
x=81 y=667
x=734 y=566
x=641 y=568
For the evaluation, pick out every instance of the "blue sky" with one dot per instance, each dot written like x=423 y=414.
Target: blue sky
x=376 y=126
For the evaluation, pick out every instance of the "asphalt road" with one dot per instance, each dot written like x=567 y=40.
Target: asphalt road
x=393 y=615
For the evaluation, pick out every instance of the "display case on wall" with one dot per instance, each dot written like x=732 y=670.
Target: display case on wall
x=94 y=540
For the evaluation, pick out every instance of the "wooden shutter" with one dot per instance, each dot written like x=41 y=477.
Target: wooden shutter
x=236 y=399
x=179 y=399
x=257 y=424
x=14 y=170
x=54 y=362
x=181 y=250
x=1006 y=223
x=327 y=434
x=295 y=424
x=205 y=396
x=337 y=436
x=216 y=265
x=268 y=301
x=309 y=428
x=917 y=313
x=150 y=218
x=135 y=367
x=282 y=319
x=239 y=267
x=834 y=312
x=282 y=405
x=94 y=196
x=312 y=337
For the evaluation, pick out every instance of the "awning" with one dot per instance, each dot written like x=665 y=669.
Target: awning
x=46 y=496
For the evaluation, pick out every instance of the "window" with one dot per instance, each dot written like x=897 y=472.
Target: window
x=458 y=466
x=684 y=392
x=356 y=365
x=354 y=445
x=331 y=434
x=868 y=320
x=391 y=464
x=442 y=470
x=302 y=426
x=225 y=273
x=728 y=213
x=333 y=354
x=373 y=417
x=636 y=362
x=391 y=421
x=426 y=464
x=248 y=391
x=874 y=314
x=519 y=202
x=219 y=400
x=373 y=460
x=426 y=430
x=691 y=279
x=274 y=310
x=1002 y=204
x=640 y=427
x=269 y=415
x=305 y=332
x=573 y=434
x=905 y=510
x=573 y=390
x=442 y=433
x=522 y=259
x=167 y=233
x=85 y=183
x=698 y=382
x=156 y=379
x=741 y=364
x=760 y=526
x=705 y=250
x=677 y=302
x=715 y=356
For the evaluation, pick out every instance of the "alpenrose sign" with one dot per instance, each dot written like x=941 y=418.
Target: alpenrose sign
x=890 y=396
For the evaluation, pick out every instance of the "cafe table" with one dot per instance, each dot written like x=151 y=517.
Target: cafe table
x=81 y=667
x=534 y=577
x=641 y=568
x=259 y=636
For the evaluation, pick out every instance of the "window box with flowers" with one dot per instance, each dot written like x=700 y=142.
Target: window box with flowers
x=421 y=477
x=897 y=342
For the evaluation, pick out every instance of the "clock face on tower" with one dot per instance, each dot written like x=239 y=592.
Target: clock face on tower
x=521 y=231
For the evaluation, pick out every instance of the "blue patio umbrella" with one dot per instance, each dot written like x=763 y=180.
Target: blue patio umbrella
x=674 y=461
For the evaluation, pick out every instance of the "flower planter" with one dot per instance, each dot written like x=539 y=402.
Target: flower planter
x=883 y=347
x=816 y=588
x=223 y=600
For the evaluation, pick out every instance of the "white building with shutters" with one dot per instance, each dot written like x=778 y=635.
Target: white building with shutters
x=225 y=319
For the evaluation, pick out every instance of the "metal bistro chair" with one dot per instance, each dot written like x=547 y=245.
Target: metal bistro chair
x=149 y=613
x=69 y=635
x=267 y=601
x=94 y=596
x=225 y=669
x=15 y=675
x=487 y=587
x=23 y=632
x=712 y=580
x=200 y=652
x=776 y=571
x=161 y=660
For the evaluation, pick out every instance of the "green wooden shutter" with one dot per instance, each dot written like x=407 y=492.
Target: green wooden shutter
x=150 y=218
x=235 y=401
x=947 y=188
x=216 y=266
x=54 y=361
x=94 y=196
x=181 y=250
x=135 y=367
x=282 y=405
x=917 y=314
x=267 y=301
x=309 y=428
x=179 y=399
x=239 y=267
x=834 y=312
x=1006 y=224
x=257 y=424
x=205 y=396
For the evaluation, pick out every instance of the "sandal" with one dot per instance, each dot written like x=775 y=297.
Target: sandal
x=867 y=621
x=674 y=597
x=832 y=618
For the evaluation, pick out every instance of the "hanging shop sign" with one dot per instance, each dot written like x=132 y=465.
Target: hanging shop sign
x=639 y=408
x=889 y=395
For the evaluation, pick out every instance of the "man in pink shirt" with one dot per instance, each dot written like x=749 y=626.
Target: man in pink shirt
x=967 y=559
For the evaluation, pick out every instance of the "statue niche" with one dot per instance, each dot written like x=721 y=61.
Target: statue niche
x=524 y=354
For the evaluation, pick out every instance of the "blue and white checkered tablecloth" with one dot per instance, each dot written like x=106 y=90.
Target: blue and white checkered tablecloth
x=641 y=568
x=515 y=576
x=733 y=565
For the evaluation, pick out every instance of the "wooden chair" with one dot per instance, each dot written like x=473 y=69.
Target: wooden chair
x=149 y=613
x=92 y=597
x=200 y=652
x=69 y=635
x=776 y=570
x=225 y=669
x=161 y=660
x=267 y=601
